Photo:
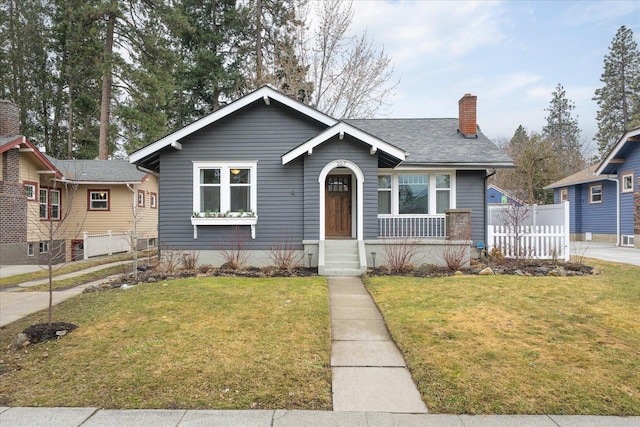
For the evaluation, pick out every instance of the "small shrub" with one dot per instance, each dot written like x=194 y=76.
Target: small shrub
x=399 y=254
x=189 y=260
x=234 y=253
x=168 y=261
x=455 y=256
x=285 y=256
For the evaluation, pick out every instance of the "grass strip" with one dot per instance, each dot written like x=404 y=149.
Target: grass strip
x=519 y=345
x=224 y=343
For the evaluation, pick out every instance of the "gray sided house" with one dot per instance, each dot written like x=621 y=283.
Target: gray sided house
x=269 y=174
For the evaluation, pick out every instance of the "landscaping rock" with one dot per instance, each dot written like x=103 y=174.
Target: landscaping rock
x=20 y=341
x=458 y=273
x=486 y=272
x=518 y=272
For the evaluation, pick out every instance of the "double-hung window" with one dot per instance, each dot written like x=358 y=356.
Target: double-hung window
x=627 y=182
x=98 y=200
x=384 y=194
x=595 y=193
x=49 y=201
x=224 y=187
x=443 y=193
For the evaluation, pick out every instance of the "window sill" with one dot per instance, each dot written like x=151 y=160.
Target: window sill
x=252 y=221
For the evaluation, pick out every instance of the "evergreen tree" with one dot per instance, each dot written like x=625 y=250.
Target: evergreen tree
x=619 y=99
x=563 y=132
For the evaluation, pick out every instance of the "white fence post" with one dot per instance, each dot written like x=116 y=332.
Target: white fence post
x=85 y=237
x=567 y=231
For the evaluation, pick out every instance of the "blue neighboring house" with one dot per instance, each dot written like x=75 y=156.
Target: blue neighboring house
x=496 y=195
x=268 y=174
x=605 y=198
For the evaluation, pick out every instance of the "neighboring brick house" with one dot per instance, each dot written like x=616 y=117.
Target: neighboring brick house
x=46 y=205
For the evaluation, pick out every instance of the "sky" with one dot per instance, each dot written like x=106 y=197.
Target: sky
x=510 y=54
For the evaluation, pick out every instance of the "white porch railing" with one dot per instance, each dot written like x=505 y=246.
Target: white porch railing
x=106 y=244
x=532 y=242
x=415 y=226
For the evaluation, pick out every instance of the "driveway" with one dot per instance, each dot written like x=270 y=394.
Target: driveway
x=606 y=251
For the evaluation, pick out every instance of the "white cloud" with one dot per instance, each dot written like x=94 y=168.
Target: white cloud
x=410 y=29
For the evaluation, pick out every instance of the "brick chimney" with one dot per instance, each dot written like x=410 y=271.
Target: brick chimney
x=9 y=119
x=467 y=116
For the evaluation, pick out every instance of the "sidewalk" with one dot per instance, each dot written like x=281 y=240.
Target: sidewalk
x=93 y=417
x=16 y=305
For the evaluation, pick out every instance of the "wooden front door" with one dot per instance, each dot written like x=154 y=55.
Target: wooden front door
x=338 y=206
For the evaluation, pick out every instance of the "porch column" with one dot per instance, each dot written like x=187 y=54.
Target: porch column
x=458 y=224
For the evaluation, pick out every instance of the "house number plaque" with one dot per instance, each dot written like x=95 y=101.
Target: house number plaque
x=341 y=163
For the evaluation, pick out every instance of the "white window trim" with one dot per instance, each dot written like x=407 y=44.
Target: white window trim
x=627 y=189
x=48 y=204
x=225 y=195
x=91 y=200
x=34 y=193
x=395 y=185
x=43 y=247
x=591 y=187
x=225 y=185
x=141 y=199
x=31 y=250
x=564 y=190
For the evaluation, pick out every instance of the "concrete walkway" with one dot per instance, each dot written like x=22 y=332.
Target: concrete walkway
x=367 y=369
x=15 y=305
x=94 y=417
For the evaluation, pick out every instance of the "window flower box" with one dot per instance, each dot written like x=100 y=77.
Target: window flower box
x=246 y=218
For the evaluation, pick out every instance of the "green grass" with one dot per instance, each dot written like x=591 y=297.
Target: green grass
x=519 y=345
x=226 y=343
x=62 y=284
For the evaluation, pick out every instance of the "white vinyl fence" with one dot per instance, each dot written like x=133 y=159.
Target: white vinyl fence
x=535 y=232
x=106 y=244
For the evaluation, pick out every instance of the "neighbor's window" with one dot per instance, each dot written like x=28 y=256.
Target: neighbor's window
x=413 y=194
x=30 y=190
x=627 y=182
x=564 y=194
x=141 y=198
x=98 y=200
x=31 y=249
x=49 y=201
x=54 y=204
x=224 y=187
x=384 y=194
x=43 y=200
x=44 y=247
x=595 y=193
x=154 y=200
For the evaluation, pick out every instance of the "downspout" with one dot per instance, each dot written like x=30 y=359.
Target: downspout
x=486 y=206
x=609 y=178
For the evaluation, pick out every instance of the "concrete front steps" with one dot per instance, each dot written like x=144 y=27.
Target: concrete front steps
x=341 y=258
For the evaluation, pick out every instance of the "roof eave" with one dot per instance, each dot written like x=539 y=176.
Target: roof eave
x=616 y=149
x=263 y=94
x=341 y=129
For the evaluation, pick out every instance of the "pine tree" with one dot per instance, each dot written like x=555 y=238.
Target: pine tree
x=618 y=100
x=563 y=132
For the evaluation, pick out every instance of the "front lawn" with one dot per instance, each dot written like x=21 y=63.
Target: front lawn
x=224 y=343
x=519 y=345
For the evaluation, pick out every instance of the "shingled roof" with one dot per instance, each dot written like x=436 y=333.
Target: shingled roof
x=435 y=142
x=113 y=171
